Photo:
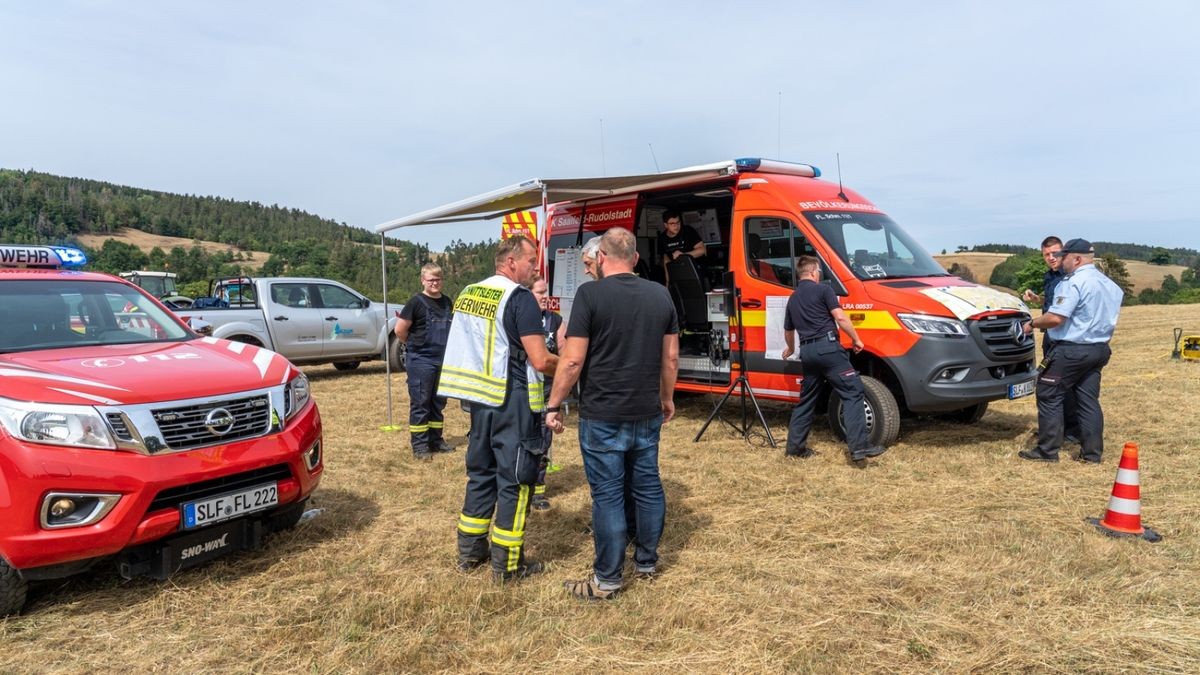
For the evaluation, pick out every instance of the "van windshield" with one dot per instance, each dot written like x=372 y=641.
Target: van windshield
x=873 y=246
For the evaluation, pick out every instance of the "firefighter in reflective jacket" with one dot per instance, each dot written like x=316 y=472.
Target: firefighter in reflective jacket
x=424 y=325
x=495 y=358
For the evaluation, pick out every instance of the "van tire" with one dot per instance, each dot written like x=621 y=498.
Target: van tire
x=883 y=413
x=12 y=589
x=968 y=415
x=397 y=352
x=346 y=365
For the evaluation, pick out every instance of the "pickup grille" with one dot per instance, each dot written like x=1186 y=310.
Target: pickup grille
x=995 y=336
x=186 y=427
x=174 y=497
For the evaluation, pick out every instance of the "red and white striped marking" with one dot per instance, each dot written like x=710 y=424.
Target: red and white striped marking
x=1125 y=505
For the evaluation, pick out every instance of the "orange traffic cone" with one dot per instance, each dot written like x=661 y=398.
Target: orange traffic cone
x=1124 y=515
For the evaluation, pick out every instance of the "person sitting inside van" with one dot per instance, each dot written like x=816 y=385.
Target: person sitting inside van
x=678 y=239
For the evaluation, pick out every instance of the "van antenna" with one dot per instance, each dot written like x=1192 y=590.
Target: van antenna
x=656 y=169
x=779 y=128
x=603 y=163
x=841 y=192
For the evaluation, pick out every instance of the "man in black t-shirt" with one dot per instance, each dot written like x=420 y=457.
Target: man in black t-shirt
x=623 y=347
x=676 y=240
x=813 y=312
x=423 y=326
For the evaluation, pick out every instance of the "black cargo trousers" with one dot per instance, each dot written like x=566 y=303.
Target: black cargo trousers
x=1070 y=409
x=825 y=359
x=1073 y=368
x=503 y=455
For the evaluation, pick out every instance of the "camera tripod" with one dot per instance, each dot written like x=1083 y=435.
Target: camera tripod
x=741 y=382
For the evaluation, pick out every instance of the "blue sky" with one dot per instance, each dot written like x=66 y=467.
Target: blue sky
x=967 y=122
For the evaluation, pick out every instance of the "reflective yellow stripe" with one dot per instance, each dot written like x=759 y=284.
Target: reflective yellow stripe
x=753 y=318
x=537 y=396
x=539 y=489
x=498 y=381
x=418 y=428
x=507 y=538
x=470 y=394
x=469 y=525
x=522 y=509
x=490 y=341
x=436 y=425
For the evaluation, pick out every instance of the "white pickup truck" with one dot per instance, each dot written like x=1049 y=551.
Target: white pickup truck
x=307 y=320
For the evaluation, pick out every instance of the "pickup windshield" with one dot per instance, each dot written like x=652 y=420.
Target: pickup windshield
x=873 y=246
x=58 y=313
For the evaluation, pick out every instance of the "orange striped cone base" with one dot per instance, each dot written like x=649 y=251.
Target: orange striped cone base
x=1124 y=515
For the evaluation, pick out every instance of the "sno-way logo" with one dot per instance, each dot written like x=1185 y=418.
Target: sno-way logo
x=206 y=547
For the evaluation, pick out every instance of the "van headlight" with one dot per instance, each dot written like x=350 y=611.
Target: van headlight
x=933 y=325
x=69 y=425
x=296 y=394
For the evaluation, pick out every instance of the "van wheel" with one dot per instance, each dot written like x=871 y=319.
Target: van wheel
x=968 y=415
x=346 y=365
x=12 y=589
x=883 y=414
x=397 y=353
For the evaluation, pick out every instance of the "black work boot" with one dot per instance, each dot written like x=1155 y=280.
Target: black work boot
x=526 y=568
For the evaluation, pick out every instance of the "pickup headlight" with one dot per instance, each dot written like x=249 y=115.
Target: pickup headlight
x=69 y=425
x=933 y=325
x=295 y=395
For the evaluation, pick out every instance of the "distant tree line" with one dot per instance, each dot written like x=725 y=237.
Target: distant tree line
x=1026 y=271
x=1155 y=255
x=39 y=208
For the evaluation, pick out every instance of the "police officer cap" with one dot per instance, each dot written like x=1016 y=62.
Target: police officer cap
x=1075 y=246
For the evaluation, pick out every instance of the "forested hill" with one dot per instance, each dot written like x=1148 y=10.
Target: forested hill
x=40 y=208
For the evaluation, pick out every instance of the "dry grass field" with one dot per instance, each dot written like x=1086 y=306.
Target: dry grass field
x=146 y=242
x=1141 y=274
x=947 y=554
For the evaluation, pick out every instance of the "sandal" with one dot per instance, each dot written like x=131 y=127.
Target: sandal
x=588 y=590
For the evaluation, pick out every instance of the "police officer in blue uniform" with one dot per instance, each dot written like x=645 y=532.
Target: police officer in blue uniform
x=813 y=312
x=1054 y=274
x=424 y=325
x=1080 y=319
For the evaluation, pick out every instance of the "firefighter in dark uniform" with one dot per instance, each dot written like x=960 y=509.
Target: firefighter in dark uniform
x=424 y=325
x=813 y=312
x=495 y=358
x=1080 y=318
x=555 y=331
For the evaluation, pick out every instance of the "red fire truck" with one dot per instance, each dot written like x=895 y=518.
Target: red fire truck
x=125 y=436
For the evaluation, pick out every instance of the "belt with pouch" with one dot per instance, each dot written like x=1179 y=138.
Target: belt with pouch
x=829 y=336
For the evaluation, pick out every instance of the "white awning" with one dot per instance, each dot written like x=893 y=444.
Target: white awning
x=528 y=194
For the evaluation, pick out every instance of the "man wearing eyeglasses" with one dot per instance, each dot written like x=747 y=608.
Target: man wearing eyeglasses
x=1080 y=318
x=424 y=325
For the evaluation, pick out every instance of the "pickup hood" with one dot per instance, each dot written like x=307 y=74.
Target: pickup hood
x=943 y=296
x=140 y=373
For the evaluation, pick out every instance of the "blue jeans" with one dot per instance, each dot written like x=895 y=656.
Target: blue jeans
x=621 y=458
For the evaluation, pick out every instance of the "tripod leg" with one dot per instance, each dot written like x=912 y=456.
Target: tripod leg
x=717 y=409
x=761 y=418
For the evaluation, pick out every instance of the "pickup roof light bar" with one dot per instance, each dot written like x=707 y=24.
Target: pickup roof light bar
x=44 y=257
x=775 y=166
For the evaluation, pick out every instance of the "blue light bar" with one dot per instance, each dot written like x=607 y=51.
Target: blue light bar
x=45 y=257
x=775 y=166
